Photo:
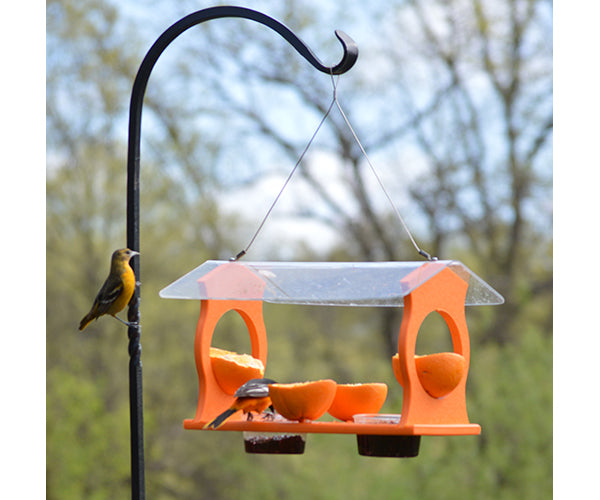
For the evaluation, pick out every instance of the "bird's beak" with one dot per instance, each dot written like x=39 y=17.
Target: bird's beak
x=133 y=253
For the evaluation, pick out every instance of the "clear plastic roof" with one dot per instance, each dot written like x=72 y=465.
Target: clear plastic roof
x=382 y=284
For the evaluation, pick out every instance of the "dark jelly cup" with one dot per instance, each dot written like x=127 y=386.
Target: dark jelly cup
x=380 y=445
x=272 y=443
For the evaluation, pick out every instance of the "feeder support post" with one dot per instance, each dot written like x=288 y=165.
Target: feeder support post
x=133 y=197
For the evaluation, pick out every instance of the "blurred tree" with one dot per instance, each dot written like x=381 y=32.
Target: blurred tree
x=452 y=101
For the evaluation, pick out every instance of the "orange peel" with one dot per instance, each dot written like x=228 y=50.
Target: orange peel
x=396 y=369
x=304 y=400
x=351 y=399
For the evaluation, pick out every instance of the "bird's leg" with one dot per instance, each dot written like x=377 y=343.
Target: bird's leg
x=269 y=413
x=132 y=323
x=249 y=416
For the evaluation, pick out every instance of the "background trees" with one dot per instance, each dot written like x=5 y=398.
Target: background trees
x=453 y=103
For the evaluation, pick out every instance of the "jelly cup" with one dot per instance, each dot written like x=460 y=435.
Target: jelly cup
x=382 y=445
x=275 y=443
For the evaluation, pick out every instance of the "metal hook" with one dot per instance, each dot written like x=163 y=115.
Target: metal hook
x=139 y=88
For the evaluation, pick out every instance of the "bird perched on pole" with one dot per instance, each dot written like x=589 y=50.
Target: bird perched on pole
x=252 y=396
x=117 y=290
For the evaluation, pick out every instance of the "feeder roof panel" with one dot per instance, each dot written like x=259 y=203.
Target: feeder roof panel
x=372 y=284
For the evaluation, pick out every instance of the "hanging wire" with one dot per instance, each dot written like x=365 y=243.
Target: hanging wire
x=419 y=250
x=289 y=178
x=335 y=101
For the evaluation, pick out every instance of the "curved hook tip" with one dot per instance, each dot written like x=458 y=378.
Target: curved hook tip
x=350 y=53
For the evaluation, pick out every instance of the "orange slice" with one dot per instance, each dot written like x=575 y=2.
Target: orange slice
x=351 y=399
x=233 y=370
x=304 y=400
x=440 y=373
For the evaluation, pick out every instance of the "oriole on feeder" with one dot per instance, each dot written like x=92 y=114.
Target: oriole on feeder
x=117 y=290
x=252 y=396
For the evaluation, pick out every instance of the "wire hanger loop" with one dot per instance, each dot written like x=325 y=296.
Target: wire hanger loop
x=336 y=102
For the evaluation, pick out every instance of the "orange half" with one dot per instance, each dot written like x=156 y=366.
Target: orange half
x=440 y=373
x=351 y=399
x=304 y=400
x=233 y=370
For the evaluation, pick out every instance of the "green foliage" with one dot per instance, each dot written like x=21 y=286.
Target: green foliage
x=88 y=452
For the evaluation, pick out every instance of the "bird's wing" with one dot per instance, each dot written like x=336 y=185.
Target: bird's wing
x=255 y=388
x=110 y=291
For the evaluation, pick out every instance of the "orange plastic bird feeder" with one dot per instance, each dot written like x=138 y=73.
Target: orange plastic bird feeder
x=420 y=287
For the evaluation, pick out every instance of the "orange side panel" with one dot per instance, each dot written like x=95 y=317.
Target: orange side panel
x=211 y=398
x=445 y=293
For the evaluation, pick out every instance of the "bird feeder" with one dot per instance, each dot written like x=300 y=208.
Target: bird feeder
x=443 y=286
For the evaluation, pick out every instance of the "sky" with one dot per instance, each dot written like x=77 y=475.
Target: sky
x=258 y=198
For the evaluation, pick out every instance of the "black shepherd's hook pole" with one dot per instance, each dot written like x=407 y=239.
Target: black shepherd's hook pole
x=133 y=192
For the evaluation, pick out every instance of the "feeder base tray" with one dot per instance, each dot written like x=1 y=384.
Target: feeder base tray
x=325 y=427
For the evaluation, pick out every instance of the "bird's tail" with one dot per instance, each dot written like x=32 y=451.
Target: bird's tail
x=86 y=320
x=217 y=422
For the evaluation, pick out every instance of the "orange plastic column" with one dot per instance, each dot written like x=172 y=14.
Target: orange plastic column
x=211 y=398
x=445 y=293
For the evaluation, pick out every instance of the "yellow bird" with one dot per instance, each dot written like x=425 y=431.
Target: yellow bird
x=117 y=290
